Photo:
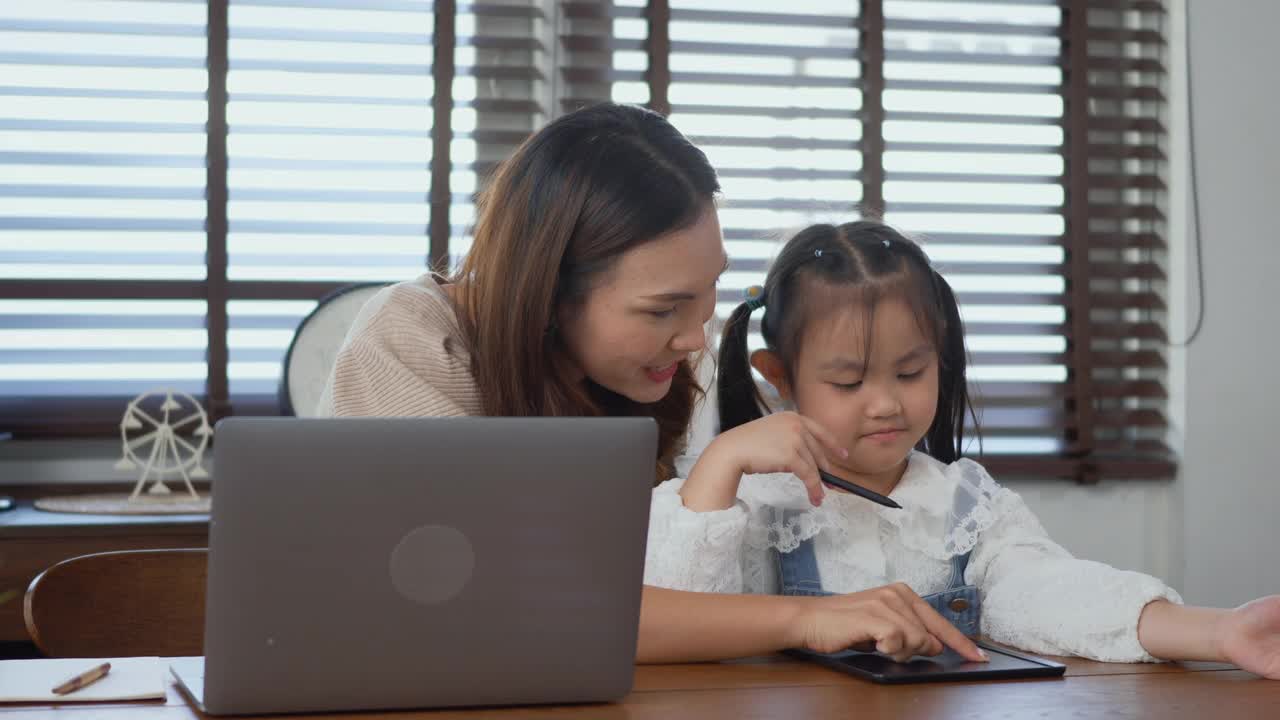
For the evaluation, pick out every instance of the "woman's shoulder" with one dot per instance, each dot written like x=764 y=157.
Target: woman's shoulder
x=411 y=322
x=421 y=305
x=414 y=319
x=404 y=355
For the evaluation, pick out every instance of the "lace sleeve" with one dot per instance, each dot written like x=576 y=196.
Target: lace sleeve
x=1038 y=597
x=688 y=550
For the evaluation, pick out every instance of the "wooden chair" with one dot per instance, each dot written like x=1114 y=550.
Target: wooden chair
x=120 y=604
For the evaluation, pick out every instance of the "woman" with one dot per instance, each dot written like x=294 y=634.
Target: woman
x=558 y=224
x=593 y=271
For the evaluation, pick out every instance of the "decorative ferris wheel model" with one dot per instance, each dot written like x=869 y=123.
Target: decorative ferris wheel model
x=165 y=432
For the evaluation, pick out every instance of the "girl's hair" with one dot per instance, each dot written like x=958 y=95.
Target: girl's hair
x=856 y=264
x=554 y=220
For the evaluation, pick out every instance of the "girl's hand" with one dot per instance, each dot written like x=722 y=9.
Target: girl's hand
x=893 y=619
x=1249 y=636
x=781 y=442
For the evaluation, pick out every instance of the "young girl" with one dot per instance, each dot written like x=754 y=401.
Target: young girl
x=864 y=339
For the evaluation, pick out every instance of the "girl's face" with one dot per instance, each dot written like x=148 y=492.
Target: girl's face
x=878 y=405
x=648 y=313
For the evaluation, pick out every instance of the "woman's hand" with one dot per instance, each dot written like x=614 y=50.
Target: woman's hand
x=781 y=442
x=1249 y=636
x=893 y=619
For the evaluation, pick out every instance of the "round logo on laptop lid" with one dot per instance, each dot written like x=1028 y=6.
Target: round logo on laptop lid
x=432 y=564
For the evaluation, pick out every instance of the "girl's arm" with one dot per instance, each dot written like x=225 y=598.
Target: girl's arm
x=679 y=626
x=1248 y=636
x=1180 y=632
x=1037 y=597
x=697 y=525
x=781 y=442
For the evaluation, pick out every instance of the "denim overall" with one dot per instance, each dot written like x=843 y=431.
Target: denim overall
x=959 y=603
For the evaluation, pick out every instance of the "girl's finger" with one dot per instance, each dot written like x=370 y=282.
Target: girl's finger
x=902 y=599
x=806 y=468
x=912 y=638
x=826 y=438
x=900 y=637
x=918 y=640
x=818 y=451
x=867 y=629
x=944 y=631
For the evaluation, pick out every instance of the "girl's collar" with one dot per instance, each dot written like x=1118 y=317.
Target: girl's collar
x=923 y=486
x=944 y=507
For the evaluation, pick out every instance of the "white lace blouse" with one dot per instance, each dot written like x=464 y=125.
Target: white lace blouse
x=1035 y=595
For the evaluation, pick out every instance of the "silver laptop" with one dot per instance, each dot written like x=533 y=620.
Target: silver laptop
x=377 y=563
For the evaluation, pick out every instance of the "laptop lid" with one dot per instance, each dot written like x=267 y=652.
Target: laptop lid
x=367 y=563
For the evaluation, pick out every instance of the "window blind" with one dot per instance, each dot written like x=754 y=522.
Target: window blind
x=101 y=205
x=1022 y=140
x=772 y=96
x=502 y=93
x=973 y=163
x=1117 y=214
x=329 y=123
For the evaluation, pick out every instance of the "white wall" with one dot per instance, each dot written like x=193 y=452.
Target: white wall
x=1230 y=486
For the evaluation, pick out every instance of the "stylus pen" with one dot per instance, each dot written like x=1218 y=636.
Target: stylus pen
x=858 y=490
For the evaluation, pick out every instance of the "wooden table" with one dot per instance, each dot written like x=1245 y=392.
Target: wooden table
x=779 y=687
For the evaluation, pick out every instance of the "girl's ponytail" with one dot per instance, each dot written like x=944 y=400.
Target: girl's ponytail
x=739 y=399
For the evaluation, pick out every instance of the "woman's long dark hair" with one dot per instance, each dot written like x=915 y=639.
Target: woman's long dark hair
x=556 y=216
x=859 y=262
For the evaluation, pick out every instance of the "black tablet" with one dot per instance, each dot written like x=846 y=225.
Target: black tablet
x=947 y=666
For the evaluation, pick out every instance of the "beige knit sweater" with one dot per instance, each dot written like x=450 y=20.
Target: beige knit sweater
x=403 y=356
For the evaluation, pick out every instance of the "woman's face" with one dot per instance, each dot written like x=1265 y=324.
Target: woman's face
x=647 y=313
